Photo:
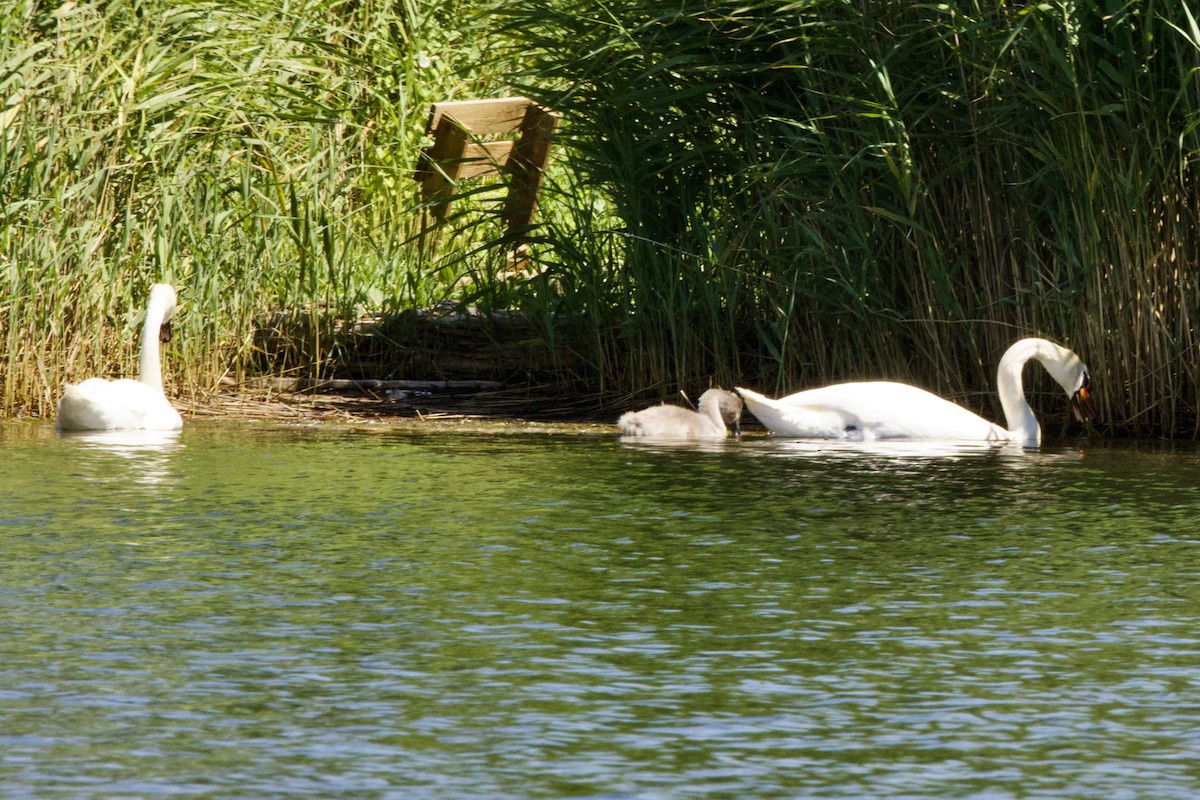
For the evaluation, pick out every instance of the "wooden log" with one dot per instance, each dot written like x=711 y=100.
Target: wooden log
x=336 y=385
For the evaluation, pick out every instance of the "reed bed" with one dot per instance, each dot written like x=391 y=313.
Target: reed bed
x=813 y=191
x=256 y=156
x=776 y=194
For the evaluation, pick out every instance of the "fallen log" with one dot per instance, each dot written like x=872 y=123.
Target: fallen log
x=343 y=385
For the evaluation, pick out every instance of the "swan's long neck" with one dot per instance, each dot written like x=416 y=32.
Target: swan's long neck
x=149 y=364
x=1018 y=416
x=710 y=406
x=1022 y=424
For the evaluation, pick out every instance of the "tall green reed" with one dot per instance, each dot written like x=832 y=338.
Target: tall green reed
x=820 y=190
x=257 y=156
x=772 y=193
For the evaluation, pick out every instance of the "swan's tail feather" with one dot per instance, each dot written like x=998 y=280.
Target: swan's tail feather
x=80 y=411
x=630 y=424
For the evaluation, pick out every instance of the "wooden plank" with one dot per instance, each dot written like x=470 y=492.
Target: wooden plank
x=440 y=161
x=527 y=165
x=484 y=158
x=459 y=150
x=477 y=158
x=482 y=117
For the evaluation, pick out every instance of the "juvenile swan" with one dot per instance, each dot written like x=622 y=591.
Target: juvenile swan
x=717 y=407
x=127 y=405
x=884 y=410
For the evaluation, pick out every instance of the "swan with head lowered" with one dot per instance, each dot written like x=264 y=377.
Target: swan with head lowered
x=128 y=405
x=873 y=410
x=716 y=407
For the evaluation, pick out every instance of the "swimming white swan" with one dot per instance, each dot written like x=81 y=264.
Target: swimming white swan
x=884 y=410
x=717 y=407
x=126 y=405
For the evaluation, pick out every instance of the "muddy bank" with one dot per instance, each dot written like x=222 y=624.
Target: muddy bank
x=374 y=402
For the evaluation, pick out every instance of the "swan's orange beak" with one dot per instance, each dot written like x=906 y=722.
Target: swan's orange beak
x=1083 y=398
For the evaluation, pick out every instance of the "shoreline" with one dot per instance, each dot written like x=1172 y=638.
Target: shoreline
x=514 y=410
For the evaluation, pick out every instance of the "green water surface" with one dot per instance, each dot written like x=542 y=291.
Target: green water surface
x=269 y=612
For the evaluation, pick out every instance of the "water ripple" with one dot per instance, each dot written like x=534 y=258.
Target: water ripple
x=289 y=613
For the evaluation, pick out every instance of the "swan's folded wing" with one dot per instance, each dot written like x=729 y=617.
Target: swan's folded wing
x=102 y=405
x=669 y=422
x=804 y=420
x=871 y=410
x=92 y=406
x=822 y=422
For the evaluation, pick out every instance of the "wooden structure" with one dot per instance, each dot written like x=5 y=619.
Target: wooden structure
x=508 y=137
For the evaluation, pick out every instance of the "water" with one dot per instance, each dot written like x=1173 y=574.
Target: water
x=256 y=612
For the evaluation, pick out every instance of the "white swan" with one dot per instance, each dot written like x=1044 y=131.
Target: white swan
x=126 y=405
x=717 y=407
x=883 y=410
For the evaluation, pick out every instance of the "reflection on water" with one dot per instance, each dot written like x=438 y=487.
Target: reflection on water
x=148 y=452
x=307 y=612
x=652 y=444
x=886 y=448
x=128 y=442
x=877 y=450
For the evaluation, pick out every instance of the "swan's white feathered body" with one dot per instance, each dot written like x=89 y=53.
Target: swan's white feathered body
x=124 y=405
x=869 y=410
x=873 y=410
x=716 y=407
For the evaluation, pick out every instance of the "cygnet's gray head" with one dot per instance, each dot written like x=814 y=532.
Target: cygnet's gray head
x=730 y=405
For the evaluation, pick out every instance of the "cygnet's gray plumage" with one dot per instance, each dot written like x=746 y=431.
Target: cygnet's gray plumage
x=717 y=407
